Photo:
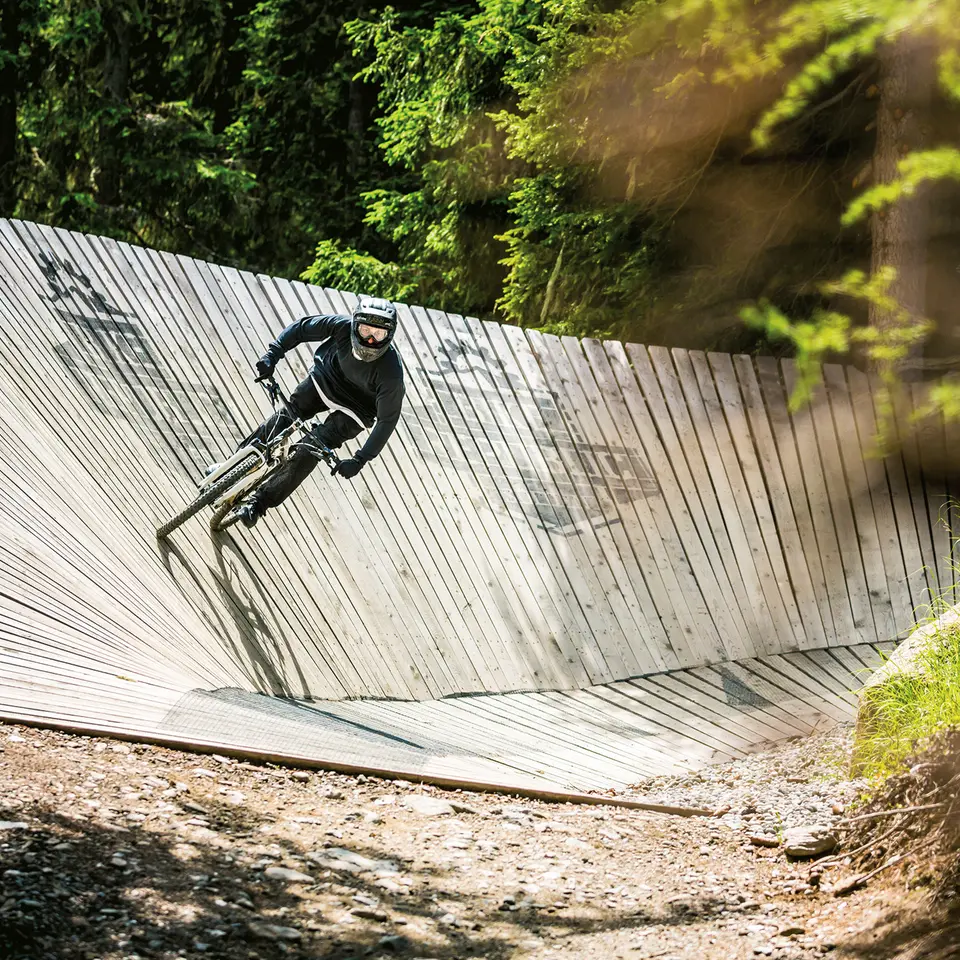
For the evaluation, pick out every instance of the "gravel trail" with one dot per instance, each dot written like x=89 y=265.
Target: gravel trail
x=110 y=850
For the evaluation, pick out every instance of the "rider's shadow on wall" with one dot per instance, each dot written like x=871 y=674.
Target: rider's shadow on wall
x=235 y=617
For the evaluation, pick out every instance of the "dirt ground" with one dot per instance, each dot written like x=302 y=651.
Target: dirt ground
x=111 y=850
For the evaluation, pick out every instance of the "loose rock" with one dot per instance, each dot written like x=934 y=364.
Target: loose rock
x=808 y=841
x=428 y=806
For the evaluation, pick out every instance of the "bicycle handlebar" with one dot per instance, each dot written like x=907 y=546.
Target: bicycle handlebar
x=324 y=453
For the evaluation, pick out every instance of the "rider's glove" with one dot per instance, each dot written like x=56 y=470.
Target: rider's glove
x=347 y=469
x=266 y=364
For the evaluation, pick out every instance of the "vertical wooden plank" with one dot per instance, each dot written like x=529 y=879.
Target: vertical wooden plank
x=651 y=519
x=113 y=441
x=903 y=437
x=879 y=589
x=584 y=411
x=610 y=600
x=721 y=397
x=521 y=410
x=784 y=515
x=929 y=439
x=637 y=658
x=703 y=450
x=695 y=545
x=446 y=427
x=951 y=465
x=671 y=417
x=839 y=496
x=816 y=538
x=847 y=596
x=895 y=524
x=509 y=458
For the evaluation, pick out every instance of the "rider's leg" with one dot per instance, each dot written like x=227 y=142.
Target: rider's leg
x=333 y=432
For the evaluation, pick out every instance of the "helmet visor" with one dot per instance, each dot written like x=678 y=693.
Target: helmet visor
x=370 y=334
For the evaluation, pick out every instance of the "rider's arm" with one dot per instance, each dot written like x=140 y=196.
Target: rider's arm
x=389 y=402
x=303 y=331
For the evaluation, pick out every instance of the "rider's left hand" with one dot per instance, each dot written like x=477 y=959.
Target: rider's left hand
x=347 y=469
x=266 y=365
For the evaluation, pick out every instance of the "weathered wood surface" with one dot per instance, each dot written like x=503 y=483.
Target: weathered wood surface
x=552 y=515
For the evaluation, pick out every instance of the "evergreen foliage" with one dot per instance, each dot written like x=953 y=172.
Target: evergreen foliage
x=592 y=167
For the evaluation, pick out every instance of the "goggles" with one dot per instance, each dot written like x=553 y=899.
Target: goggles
x=368 y=332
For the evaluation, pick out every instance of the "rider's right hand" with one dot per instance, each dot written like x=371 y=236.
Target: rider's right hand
x=265 y=365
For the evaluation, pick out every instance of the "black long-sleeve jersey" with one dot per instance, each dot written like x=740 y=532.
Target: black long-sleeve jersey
x=372 y=389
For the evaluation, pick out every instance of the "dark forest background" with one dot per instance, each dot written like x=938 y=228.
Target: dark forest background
x=582 y=166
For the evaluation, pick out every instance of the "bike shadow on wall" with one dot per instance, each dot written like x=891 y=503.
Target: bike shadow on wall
x=235 y=617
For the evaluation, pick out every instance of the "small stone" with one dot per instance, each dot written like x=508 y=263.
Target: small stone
x=808 y=841
x=762 y=840
x=302 y=775
x=271 y=931
x=369 y=913
x=395 y=943
x=428 y=806
x=13 y=825
x=791 y=931
x=339 y=858
x=288 y=876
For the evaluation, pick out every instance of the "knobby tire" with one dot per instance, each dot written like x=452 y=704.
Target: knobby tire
x=209 y=495
x=224 y=516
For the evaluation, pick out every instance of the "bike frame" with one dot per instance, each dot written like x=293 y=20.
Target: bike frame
x=272 y=453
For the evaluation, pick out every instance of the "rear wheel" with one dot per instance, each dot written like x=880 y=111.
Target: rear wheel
x=226 y=515
x=210 y=494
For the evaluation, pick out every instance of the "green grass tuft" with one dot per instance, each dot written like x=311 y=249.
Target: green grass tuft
x=909 y=708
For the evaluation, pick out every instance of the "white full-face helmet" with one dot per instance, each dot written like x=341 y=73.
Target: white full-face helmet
x=372 y=328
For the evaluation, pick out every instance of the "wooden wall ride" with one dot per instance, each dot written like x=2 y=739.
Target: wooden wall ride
x=553 y=514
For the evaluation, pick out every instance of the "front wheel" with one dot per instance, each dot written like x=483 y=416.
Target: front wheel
x=210 y=494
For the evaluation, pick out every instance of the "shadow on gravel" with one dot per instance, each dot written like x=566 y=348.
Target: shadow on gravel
x=81 y=890
x=934 y=936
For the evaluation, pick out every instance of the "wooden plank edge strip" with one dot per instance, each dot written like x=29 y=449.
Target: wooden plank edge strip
x=336 y=766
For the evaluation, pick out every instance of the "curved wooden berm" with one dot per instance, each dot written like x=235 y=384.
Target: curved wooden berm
x=554 y=519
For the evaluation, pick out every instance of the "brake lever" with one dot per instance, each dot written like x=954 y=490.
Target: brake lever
x=271 y=386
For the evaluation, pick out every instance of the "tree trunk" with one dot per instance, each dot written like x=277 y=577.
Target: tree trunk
x=9 y=45
x=900 y=232
x=116 y=74
x=232 y=60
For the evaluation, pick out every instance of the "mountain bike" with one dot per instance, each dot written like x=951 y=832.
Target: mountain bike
x=226 y=487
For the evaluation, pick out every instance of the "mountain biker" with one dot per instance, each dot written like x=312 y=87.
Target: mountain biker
x=356 y=375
